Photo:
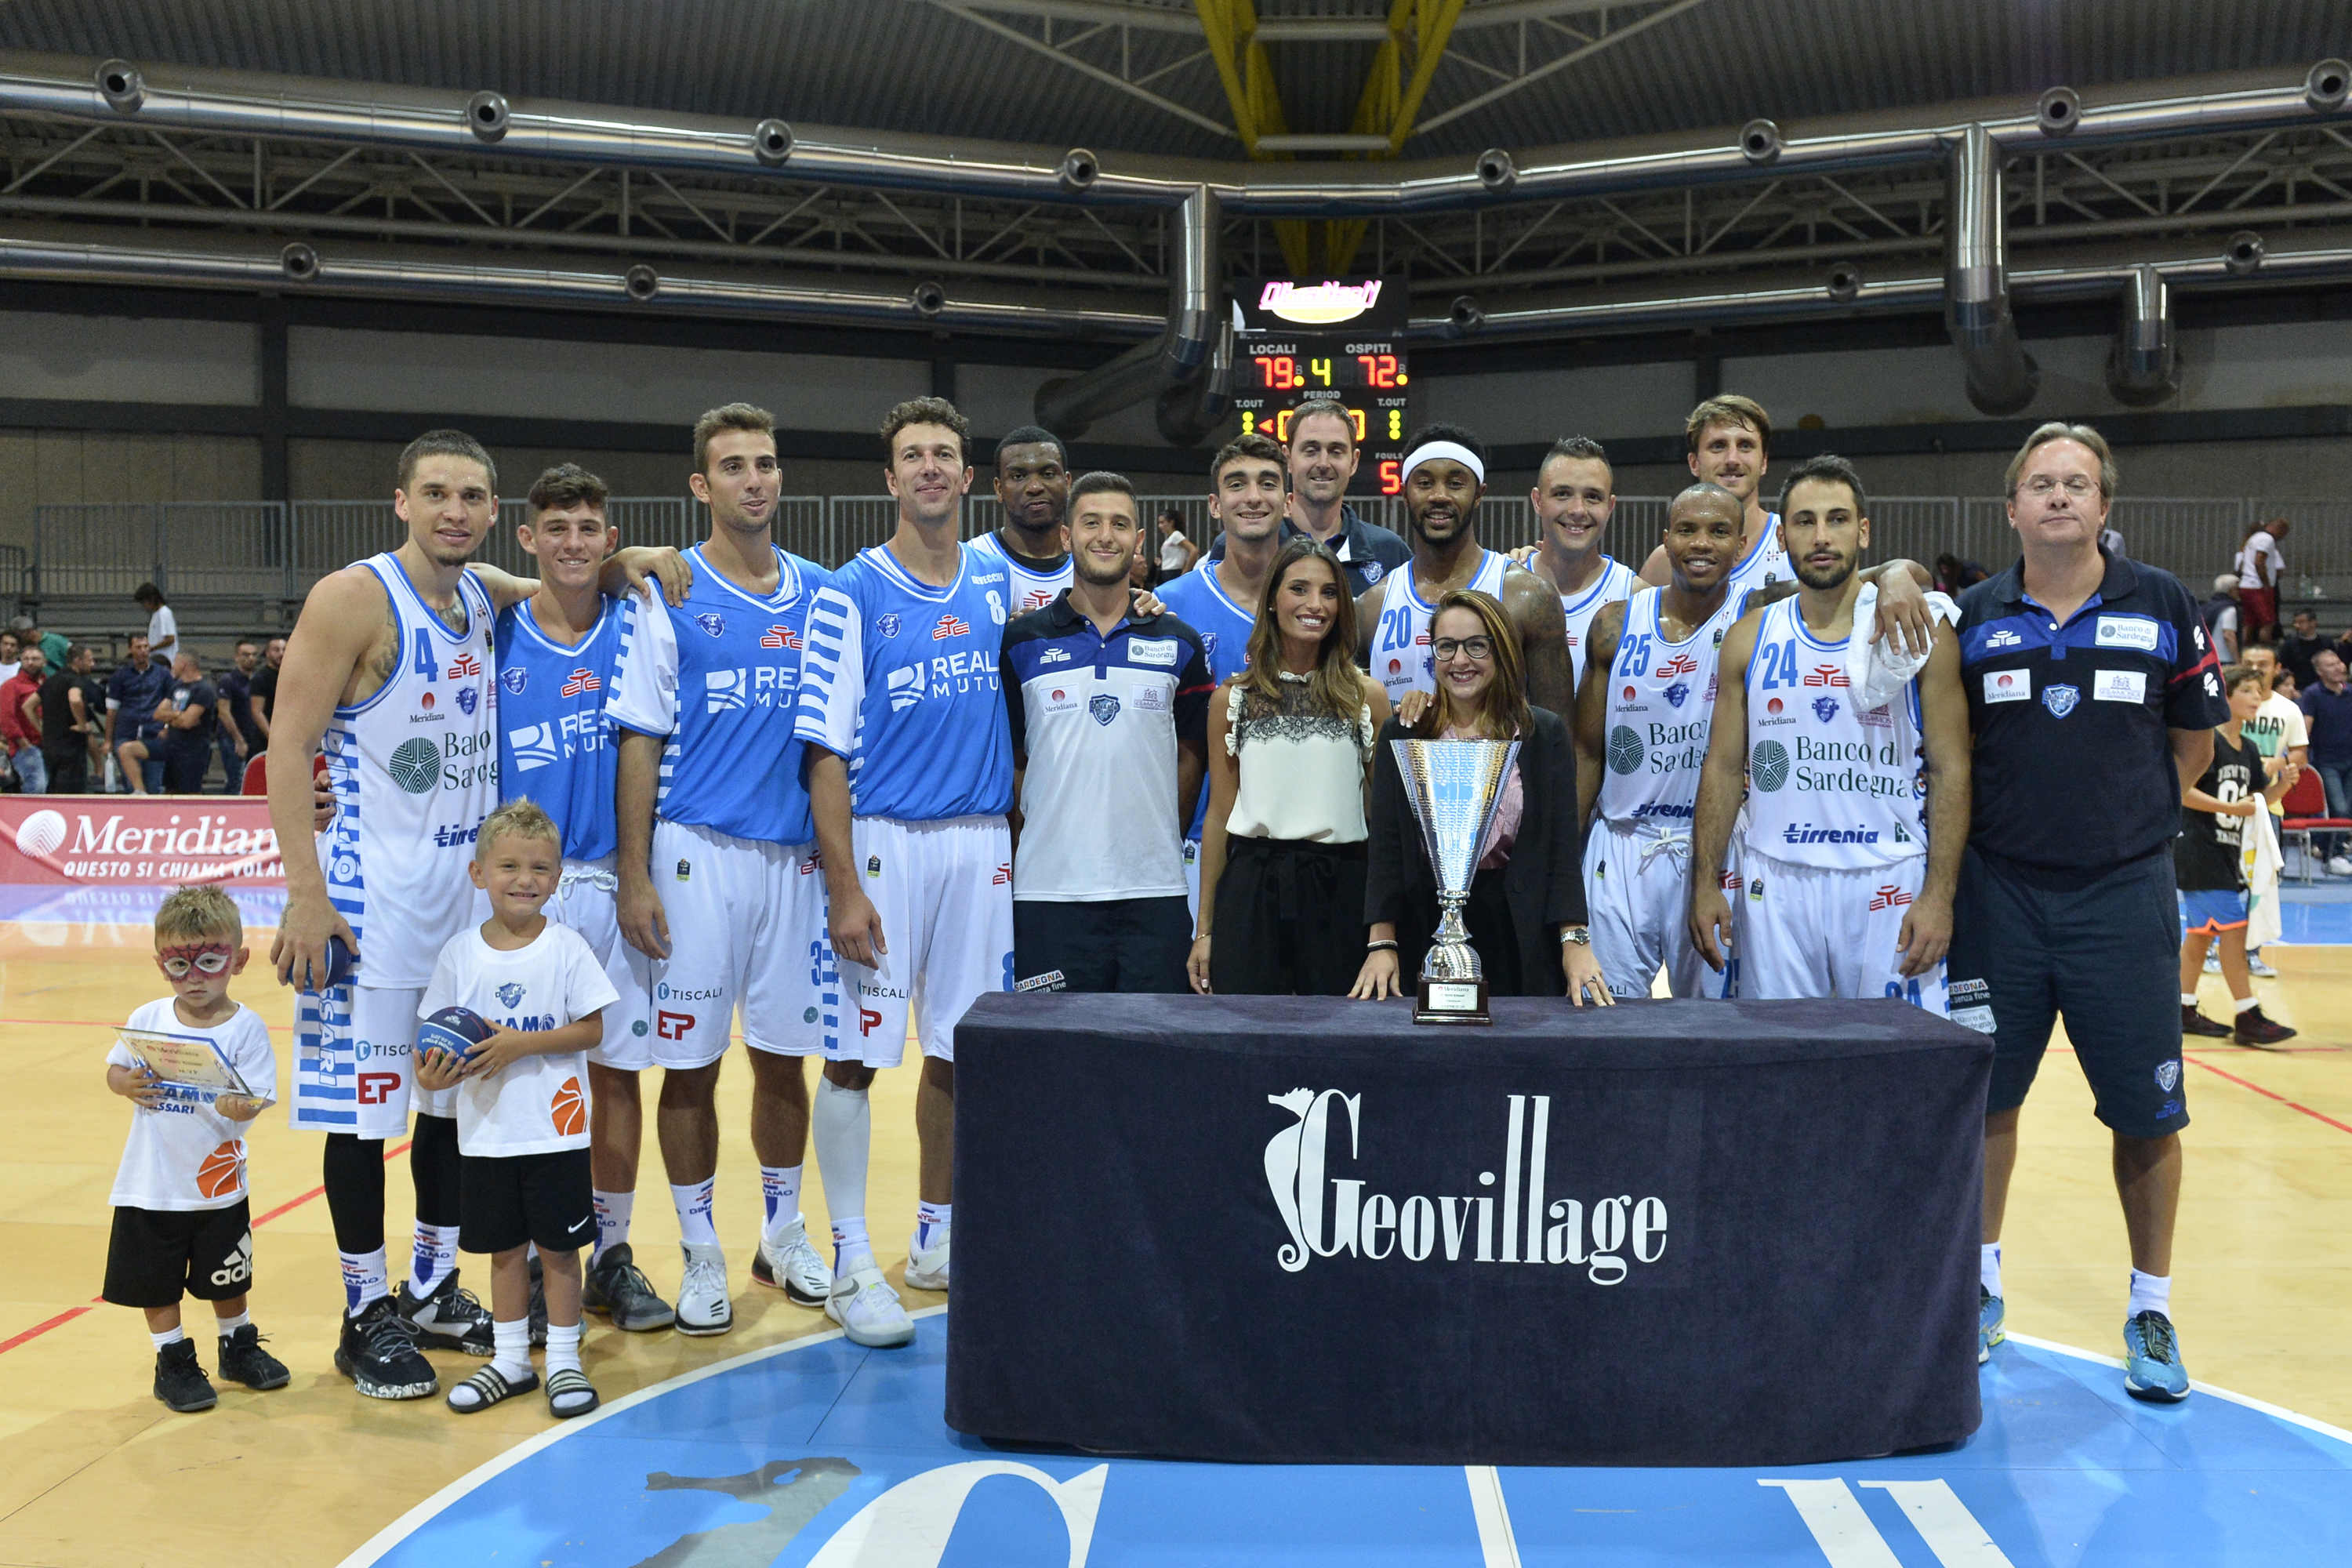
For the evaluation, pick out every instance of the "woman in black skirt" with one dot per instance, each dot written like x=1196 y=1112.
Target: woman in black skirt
x=1526 y=911
x=1282 y=851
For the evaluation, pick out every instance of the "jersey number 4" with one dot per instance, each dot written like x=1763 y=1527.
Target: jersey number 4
x=422 y=661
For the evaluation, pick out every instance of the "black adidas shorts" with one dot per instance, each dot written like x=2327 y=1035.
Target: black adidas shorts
x=504 y=1201
x=157 y=1255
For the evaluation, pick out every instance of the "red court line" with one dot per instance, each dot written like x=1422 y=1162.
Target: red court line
x=2266 y=1094
x=67 y=1316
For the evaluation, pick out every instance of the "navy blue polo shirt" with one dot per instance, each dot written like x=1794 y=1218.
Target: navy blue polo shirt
x=2073 y=764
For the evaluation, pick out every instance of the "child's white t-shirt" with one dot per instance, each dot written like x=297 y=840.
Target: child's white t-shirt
x=183 y=1154
x=537 y=1105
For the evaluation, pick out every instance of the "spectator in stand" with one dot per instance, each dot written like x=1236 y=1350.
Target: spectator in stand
x=20 y=721
x=68 y=717
x=191 y=714
x=133 y=693
x=2259 y=567
x=1177 y=553
x=2283 y=684
x=53 y=647
x=93 y=703
x=2221 y=613
x=264 y=695
x=2300 y=646
x=1139 y=573
x=8 y=655
x=1952 y=573
x=236 y=715
x=2327 y=709
x=162 y=627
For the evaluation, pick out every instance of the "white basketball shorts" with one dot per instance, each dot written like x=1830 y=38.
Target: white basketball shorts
x=355 y=1063
x=1637 y=897
x=587 y=899
x=944 y=892
x=1809 y=930
x=746 y=930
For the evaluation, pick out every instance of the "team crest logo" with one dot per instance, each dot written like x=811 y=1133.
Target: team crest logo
x=1825 y=709
x=2061 y=699
x=1373 y=573
x=514 y=678
x=1677 y=694
x=885 y=626
x=1103 y=707
x=510 y=994
x=712 y=623
x=1209 y=647
x=2167 y=1076
x=469 y=699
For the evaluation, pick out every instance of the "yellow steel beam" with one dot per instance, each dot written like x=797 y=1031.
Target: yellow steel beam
x=1391 y=98
x=1230 y=28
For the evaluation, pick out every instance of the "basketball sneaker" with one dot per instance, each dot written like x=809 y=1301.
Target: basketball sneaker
x=617 y=1287
x=927 y=1268
x=1992 y=1313
x=2257 y=967
x=2152 y=1368
x=378 y=1352
x=786 y=1258
x=2259 y=1031
x=450 y=1319
x=179 y=1383
x=867 y=1309
x=242 y=1360
x=702 y=1304
x=2193 y=1022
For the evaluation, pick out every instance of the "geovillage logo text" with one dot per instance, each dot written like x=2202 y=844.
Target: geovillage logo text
x=1329 y=1214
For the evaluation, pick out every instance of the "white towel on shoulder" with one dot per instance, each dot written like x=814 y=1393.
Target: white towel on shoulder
x=1878 y=671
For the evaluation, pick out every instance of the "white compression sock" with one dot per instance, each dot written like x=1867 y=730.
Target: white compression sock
x=931 y=1221
x=435 y=1256
x=779 y=1190
x=1988 y=1267
x=2149 y=1293
x=611 y=1220
x=366 y=1277
x=693 y=1202
x=841 y=1125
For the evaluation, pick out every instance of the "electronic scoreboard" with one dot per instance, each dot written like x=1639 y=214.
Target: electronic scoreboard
x=1335 y=337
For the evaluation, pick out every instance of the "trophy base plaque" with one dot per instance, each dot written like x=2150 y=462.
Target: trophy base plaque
x=1453 y=1002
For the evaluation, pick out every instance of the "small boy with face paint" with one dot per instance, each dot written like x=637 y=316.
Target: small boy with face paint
x=182 y=1226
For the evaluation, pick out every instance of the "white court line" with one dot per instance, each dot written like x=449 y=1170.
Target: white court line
x=2275 y=1411
x=1498 y=1546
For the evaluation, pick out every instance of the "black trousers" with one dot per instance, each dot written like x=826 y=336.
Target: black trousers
x=68 y=767
x=1112 y=944
x=1288 y=919
x=1493 y=933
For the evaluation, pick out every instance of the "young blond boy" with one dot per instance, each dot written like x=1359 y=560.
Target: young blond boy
x=182 y=1226
x=523 y=1103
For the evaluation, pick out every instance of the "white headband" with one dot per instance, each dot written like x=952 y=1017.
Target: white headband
x=1454 y=449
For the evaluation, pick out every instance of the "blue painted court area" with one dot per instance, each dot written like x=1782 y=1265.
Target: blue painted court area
x=820 y=1453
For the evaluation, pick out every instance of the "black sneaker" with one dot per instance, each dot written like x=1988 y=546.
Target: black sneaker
x=450 y=1319
x=538 y=1308
x=2192 y=1022
x=617 y=1287
x=242 y=1360
x=2254 y=1029
x=179 y=1383
x=379 y=1354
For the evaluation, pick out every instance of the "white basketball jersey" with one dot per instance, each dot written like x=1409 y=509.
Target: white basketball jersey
x=1828 y=785
x=1616 y=581
x=1766 y=564
x=414 y=769
x=1031 y=590
x=1661 y=697
x=1401 y=657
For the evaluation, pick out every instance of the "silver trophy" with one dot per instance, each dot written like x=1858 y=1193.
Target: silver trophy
x=1454 y=786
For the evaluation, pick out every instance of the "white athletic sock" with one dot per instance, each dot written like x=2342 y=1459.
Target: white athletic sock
x=169 y=1337
x=2189 y=998
x=2149 y=1293
x=563 y=1346
x=851 y=1246
x=228 y=1326
x=366 y=1277
x=780 y=1187
x=436 y=1255
x=1988 y=1267
x=611 y=1220
x=693 y=1202
x=931 y=1221
x=513 y=1342
x=841 y=1125
x=2248 y=1003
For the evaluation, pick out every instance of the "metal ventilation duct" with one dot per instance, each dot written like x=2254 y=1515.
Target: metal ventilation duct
x=2145 y=368
x=1068 y=407
x=2002 y=377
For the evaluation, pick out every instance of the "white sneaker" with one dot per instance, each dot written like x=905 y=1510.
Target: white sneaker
x=2340 y=866
x=702 y=1304
x=927 y=1268
x=867 y=1309
x=787 y=1260
x=2258 y=969
x=2213 y=962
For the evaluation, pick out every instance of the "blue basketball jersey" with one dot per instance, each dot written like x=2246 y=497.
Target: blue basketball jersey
x=901 y=682
x=1201 y=602
x=719 y=677
x=555 y=740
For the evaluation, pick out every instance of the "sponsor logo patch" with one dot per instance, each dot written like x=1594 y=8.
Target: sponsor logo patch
x=2127 y=631
x=1160 y=651
x=2119 y=686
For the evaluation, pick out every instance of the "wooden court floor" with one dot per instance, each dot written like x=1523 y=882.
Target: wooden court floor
x=94 y=1471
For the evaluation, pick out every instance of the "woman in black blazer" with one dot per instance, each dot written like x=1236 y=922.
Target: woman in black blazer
x=1526 y=911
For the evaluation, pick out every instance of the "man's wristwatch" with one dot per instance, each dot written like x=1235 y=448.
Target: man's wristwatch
x=1580 y=935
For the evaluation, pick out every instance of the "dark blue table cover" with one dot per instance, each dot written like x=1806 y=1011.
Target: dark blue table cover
x=1774 y=1230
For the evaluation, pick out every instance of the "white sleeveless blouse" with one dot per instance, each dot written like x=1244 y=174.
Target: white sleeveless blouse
x=1302 y=772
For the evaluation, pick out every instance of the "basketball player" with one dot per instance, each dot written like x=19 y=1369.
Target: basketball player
x=910 y=775
x=391 y=665
x=1641 y=737
x=1245 y=499
x=1032 y=484
x=1575 y=496
x=557 y=654
x=1729 y=439
x=718 y=871
x=1849 y=883
x=1444 y=474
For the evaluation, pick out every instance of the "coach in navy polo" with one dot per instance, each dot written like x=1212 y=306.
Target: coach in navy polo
x=2094 y=694
x=1110 y=714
